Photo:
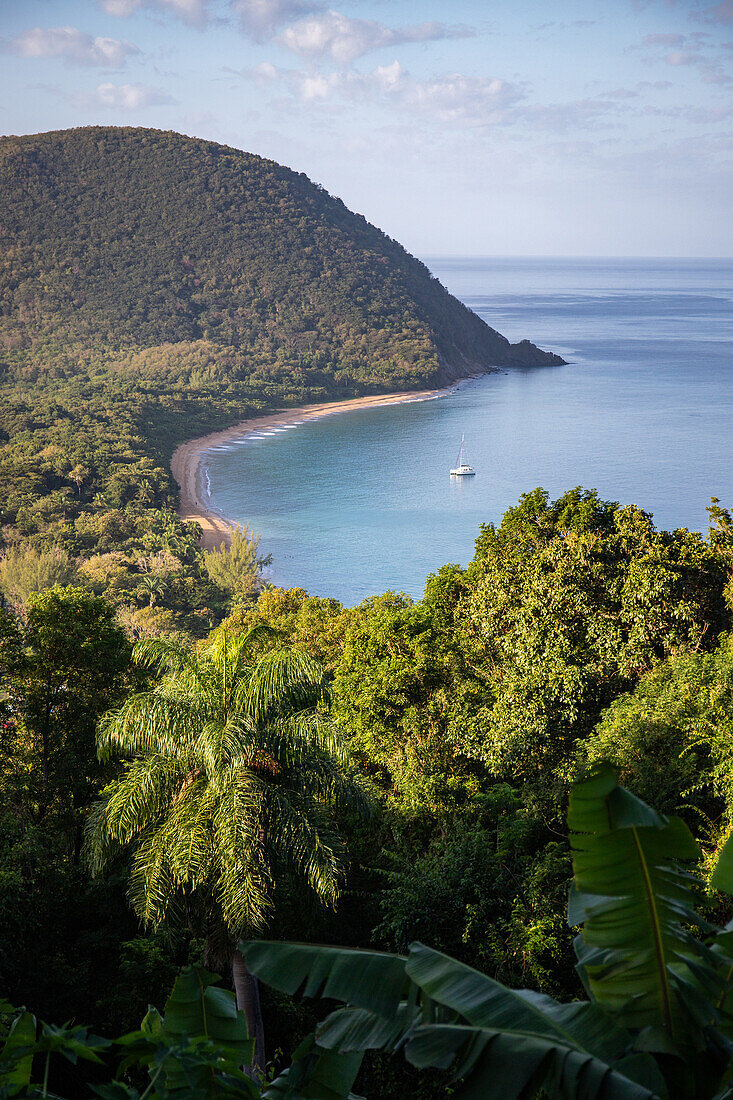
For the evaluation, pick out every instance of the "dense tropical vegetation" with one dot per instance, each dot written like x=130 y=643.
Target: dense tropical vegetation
x=656 y=1024
x=191 y=758
x=408 y=761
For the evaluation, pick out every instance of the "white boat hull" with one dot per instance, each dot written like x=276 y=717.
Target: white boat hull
x=462 y=469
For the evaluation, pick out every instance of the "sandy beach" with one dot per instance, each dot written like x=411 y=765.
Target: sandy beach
x=186 y=460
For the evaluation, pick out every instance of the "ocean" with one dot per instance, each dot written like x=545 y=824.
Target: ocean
x=359 y=503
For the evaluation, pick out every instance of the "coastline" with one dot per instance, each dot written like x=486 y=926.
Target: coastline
x=186 y=461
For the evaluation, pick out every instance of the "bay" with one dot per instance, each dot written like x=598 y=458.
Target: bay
x=355 y=504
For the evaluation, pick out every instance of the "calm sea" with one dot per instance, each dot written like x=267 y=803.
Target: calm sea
x=355 y=504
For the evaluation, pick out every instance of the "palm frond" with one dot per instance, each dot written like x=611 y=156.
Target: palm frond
x=285 y=680
x=233 y=768
x=187 y=833
x=147 y=723
x=292 y=736
x=244 y=883
x=152 y=887
x=163 y=655
x=142 y=795
x=302 y=837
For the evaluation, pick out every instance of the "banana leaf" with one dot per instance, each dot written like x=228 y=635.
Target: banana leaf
x=355 y=1029
x=655 y=987
x=722 y=945
x=198 y=1009
x=508 y=1065
x=636 y=953
x=316 y=1074
x=16 y=1057
x=722 y=877
x=518 y=1038
x=372 y=980
x=513 y=1041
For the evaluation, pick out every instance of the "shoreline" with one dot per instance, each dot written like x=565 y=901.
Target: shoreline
x=186 y=460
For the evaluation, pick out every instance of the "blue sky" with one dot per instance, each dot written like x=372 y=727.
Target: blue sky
x=458 y=127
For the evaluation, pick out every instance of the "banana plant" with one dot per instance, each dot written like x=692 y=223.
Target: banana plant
x=198 y=1046
x=658 y=1021
x=196 y=1049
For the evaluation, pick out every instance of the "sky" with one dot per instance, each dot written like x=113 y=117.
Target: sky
x=459 y=127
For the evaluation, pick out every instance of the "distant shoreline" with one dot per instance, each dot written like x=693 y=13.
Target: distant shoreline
x=186 y=460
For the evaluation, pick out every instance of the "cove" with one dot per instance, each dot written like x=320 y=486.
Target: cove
x=362 y=502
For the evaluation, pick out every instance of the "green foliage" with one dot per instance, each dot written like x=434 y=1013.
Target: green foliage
x=491 y=891
x=73 y=667
x=394 y=694
x=16 y=1057
x=236 y=567
x=196 y=1007
x=25 y=570
x=230 y=766
x=658 y=1023
x=671 y=739
x=312 y=624
x=195 y=1049
x=467 y=711
x=504 y=666
x=568 y=603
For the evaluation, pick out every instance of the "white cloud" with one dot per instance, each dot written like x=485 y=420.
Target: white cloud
x=316 y=86
x=696 y=50
x=190 y=11
x=260 y=19
x=453 y=98
x=343 y=39
x=682 y=57
x=457 y=101
x=265 y=71
x=73 y=46
x=120 y=8
x=710 y=72
x=130 y=96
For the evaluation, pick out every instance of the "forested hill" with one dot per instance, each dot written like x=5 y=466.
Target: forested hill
x=159 y=256
x=155 y=287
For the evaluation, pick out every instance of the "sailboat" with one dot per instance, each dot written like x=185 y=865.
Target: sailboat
x=462 y=469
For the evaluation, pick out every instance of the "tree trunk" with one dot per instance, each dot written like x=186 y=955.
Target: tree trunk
x=248 y=1000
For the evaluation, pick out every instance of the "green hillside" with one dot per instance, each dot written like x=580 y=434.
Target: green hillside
x=215 y=262
x=154 y=287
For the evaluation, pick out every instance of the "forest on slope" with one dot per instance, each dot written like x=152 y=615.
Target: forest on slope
x=154 y=287
x=578 y=633
x=121 y=240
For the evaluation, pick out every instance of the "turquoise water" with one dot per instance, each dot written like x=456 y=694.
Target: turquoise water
x=356 y=504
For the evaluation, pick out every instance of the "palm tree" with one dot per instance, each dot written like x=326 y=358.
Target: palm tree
x=153 y=586
x=232 y=769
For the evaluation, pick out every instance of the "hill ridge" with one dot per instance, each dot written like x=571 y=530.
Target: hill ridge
x=120 y=240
